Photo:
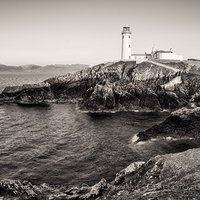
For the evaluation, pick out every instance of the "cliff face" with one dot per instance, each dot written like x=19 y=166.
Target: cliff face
x=132 y=87
x=125 y=85
x=129 y=86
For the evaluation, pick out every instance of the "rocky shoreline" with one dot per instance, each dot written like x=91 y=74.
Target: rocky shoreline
x=172 y=175
x=121 y=86
x=116 y=86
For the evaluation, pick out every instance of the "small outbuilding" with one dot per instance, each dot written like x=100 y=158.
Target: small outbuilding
x=166 y=55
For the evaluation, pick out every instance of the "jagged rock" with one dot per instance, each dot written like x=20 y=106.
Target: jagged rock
x=24 y=190
x=174 y=172
x=102 y=97
x=81 y=193
x=133 y=167
x=181 y=123
x=62 y=196
x=73 y=190
x=185 y=114
x=95 y=190
x=31 y=94
x=77 y=190
x=167 y=176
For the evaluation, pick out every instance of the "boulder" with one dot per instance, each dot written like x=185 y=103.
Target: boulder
x=95 y=191
x=132 y=168
x=25 y=189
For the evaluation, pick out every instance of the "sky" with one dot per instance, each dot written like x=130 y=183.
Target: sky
x=89 y=31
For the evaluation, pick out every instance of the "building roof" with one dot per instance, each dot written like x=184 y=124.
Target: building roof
x=141 y=54
x=162 y=51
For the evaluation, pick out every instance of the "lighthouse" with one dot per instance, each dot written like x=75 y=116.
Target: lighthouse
x=126 y=43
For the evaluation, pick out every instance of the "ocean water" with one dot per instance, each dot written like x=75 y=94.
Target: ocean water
x=60 y=145
x=20 y=78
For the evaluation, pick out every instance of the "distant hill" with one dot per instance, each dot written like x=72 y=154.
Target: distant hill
x=30 y=67
x=9 y=68
x=70 y=68
x=44 y=69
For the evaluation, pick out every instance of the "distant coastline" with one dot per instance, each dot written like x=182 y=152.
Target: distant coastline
x=39 y=68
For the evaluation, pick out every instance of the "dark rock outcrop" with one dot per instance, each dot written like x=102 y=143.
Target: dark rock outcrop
x=181 y=123
x=130 y=170
x=19 y=190
x=13 y=189
x=30 y=94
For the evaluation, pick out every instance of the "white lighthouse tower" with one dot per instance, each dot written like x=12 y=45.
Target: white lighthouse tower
x=126 y=43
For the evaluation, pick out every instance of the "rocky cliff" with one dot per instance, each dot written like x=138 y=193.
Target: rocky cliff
x=124 y=85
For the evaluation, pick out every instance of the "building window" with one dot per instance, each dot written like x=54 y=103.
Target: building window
x=123 y=37
x=129 y=46
x=129 y=36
